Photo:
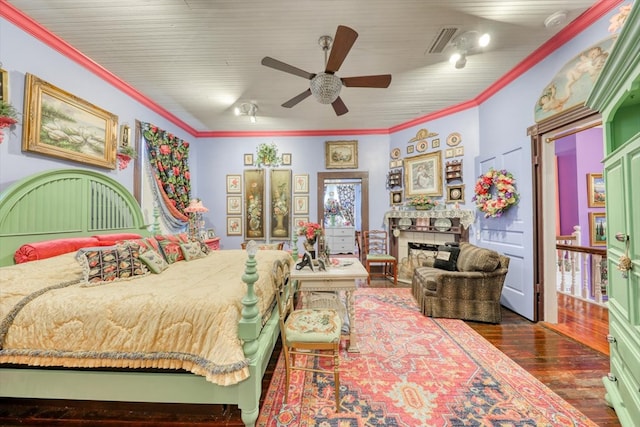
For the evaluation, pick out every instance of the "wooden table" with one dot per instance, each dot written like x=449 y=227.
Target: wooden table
x=334 y=279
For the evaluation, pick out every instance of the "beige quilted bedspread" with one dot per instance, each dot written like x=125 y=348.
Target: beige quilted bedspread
x=184 y=318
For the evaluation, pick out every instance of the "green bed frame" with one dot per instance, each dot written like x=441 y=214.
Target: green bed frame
x=77 y=203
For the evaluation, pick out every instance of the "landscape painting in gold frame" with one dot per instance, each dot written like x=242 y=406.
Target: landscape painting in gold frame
x=597 y=229
x=341 y=154
x=59 y=124
x=595 y=190
x=423 y=175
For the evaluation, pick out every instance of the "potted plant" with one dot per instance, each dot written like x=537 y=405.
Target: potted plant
x=8 y=117
x=125 y=154
x=267 y=155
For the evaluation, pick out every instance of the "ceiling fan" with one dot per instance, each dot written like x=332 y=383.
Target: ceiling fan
x=325 y=86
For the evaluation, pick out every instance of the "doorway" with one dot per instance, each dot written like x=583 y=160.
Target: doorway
x=328 y=180
x=543 y=136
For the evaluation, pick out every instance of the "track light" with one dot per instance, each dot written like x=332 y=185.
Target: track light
x=467 y=43
x=247 y=109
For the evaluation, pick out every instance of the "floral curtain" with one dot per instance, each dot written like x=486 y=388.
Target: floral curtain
x=347 y=197
x=169 y=169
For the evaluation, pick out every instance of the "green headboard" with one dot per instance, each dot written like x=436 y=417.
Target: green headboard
x=65 y=203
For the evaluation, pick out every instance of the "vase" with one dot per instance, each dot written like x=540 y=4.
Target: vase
x=279 y=230
x=423 y=207
x=333 y=220
x=309 y=246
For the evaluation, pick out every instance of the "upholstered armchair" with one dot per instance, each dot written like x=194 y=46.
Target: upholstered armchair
x=469 y=289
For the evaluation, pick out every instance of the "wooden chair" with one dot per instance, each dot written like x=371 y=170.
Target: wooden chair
x=307 y=332
x=376 y=252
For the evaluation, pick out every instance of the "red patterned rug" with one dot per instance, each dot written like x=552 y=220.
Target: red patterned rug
x=416 y=371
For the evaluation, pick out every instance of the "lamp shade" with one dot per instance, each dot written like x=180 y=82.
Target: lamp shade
x=195 y=205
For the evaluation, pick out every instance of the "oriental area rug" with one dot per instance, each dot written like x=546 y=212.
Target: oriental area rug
x=413 y=370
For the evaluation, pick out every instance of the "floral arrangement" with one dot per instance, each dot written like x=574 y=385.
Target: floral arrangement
x=331 y=207
x=267 y=154
x=505 y=193
x=310 y=230
x=128 y=150
x=8 y=117
x=422 y=201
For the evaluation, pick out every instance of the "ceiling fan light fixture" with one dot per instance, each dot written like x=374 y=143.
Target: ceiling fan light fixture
x=326 y=87
x=247 y=109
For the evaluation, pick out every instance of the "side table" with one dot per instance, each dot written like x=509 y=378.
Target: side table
x=214 y=244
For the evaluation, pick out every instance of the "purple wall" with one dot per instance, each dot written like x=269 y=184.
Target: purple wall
x=567 y=184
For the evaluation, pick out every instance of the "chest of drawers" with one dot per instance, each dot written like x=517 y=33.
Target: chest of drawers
x=340 y=240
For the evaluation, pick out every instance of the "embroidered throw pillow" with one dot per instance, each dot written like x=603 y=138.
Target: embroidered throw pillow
x=154 y=261
x=191 y=250
x=106 y=264
x=446 y=258
x=170 y=247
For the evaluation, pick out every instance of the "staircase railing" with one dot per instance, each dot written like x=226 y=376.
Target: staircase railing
x=581 y=270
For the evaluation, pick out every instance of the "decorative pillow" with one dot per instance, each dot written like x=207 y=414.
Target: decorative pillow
x=475 y=258
x=206 y=250
x=170 y=247
x=103 y=264
x=191 y=250
x=154 y=261
x=51 y=248
x=446 y=258
x=143 y=244
x=113 y=238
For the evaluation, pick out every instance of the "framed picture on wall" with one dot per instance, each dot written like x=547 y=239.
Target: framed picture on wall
x=286 y=159
x=423 y=175
x=234 y=226
x=4 y=85
x=234 y=184
x=254 y=193
x=248 y=159
x=300 y=204
x=595 y=190
x=234 y=205
x=455 y=193
x=299 y=221
x=59 y=124
x=280 y=182
x=341 y=154
x=597 y=229
x=395 y=198
x=301 y=183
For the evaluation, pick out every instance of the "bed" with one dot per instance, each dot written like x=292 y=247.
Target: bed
x=141 y=353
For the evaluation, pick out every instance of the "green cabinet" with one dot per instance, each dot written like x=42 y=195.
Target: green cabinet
x=616 y=95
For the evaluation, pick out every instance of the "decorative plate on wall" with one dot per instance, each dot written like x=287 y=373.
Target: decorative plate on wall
x=404 y=223
x=395 y=153
x=454 y=139
x=422 y=146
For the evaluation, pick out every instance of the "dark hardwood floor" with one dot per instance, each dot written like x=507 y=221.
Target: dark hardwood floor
x=572 y=369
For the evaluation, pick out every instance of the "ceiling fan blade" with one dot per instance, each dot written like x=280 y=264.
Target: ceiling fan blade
x=339 y=107
x=342 y=43
x=382 y=80
x=281 y=66
x=293 y=101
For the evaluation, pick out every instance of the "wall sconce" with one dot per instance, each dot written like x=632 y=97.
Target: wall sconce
x=468 y=43
x=247 y=109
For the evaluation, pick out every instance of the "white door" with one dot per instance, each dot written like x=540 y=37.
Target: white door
x=511 y=233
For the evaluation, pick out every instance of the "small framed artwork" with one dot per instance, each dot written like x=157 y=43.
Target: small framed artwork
x=234 y=205
x=300 y=204
x=410 y=149
x=455 y=193
x=595 y=189
x=4 y=85
x=64 y=126
x=286 y=159
x=448 y=153
x=458 y=151
x=234 y=184
x=341 y=154
x=234 y=226
x=248 y=159
x=435 y=143
x=597 y=229
x=211 y=233
x=395 y=198
x=301 y=183
x=299 y=221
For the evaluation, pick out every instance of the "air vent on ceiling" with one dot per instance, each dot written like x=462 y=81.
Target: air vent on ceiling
x=442 y=38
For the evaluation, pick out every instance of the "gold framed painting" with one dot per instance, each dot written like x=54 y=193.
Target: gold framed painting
x=341 y=154
x=254 y=204
x=280 y=180
x=597 y=229
x=455 y=193
x=59 y=124
x=595 y=190
x=423 y=175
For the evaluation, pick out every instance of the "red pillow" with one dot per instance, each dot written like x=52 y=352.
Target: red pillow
x=50 y=248
x=111 y=239
x=170 y=246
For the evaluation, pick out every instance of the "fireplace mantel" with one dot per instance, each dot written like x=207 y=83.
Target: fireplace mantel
x=466 y=217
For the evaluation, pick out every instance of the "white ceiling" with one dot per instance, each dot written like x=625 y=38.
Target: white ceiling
x=200 y=58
